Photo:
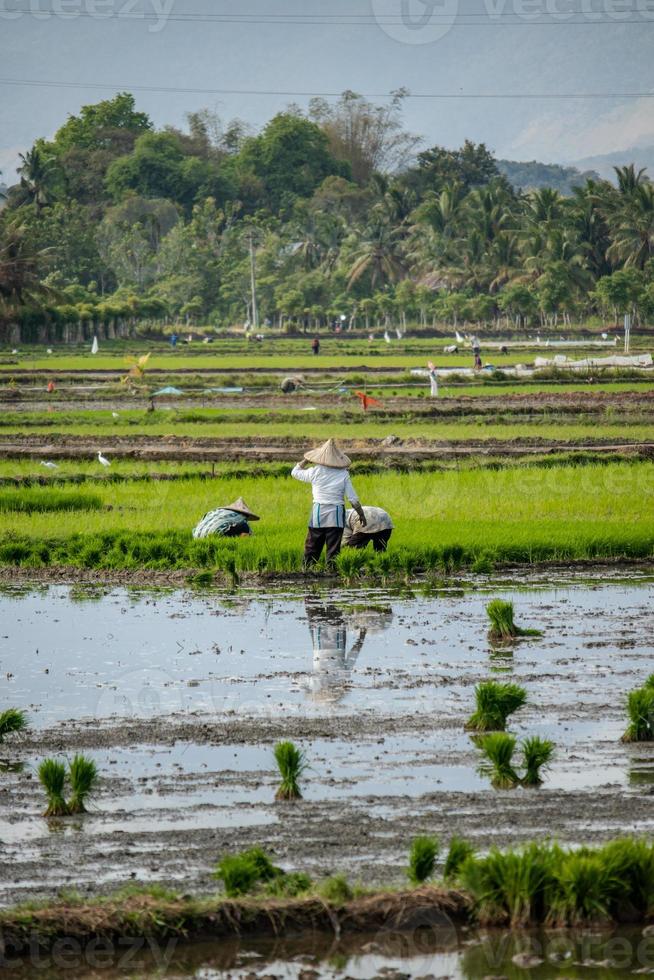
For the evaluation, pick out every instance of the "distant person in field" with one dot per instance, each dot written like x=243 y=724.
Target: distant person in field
x=330 y=485
x=232 y=521
x=377 y=529
x=315 y=345
x=476 y=352
x=173 y=340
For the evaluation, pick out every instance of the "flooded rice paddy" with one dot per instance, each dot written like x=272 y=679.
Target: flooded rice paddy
x=179 y=697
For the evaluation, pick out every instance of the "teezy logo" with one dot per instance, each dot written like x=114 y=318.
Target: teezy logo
x=415 y=21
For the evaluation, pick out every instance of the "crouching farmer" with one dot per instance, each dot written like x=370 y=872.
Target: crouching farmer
x=226 y=522
x=330 y=485
x=378 y=529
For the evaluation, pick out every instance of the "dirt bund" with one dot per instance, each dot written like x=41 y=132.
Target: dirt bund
x=22 y=931
x=258 y=449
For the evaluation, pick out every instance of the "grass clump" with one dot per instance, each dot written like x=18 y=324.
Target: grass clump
x=238 y=874
x=498 y=749
x=12 y=720
x=495 y=701
x=337 y=889
x=503 y=627
x=458 y=852
x=289 y=885
x=53 y=775
x=243 y=873
x=640 y=711
x=422 y=859
x=291 y=763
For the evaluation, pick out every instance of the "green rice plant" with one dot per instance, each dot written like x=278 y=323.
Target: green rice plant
x=12 y=720
x=498 y=748
x=291 y=763
x=537 y=753
x=238 y=873
x=640 y=710
x=452 y=557
x=52 y=776
x=458 y=852
x=495 y=701
x=422 y=859
x=350 y=564
x=631 y=861
x=289 y=885
x=585 y=888
x=83 y=774
x=336 y=889
x=384 y=565
x=266 y=870
x=502 y=626
x=483 y=565
x=43 y=500
x=513 y=886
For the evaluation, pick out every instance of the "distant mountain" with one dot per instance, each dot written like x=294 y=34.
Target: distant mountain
x=641 y=156
x=532 y=175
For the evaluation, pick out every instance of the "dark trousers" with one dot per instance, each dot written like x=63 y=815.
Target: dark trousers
x=379 y=540
x=317 y=539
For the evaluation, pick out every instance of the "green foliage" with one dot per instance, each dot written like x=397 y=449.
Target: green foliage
x=12 y=720
x=52 y=776
x=292 y=764
x=238 y=873
x=83 y=774
x=336 y=890
x=422 y=859
x=503 y=626
x=495 y=701
x=289 y=884
x=47 y=500
x=457 y=854
x=498 y=747
x=537 y=753
x=640 y=710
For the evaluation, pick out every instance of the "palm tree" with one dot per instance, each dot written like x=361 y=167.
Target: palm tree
x=632 y=227
x=377 y=254
x=36 y=172
x=20 y=266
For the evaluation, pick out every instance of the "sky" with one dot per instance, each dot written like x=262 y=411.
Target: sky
x=57 y=55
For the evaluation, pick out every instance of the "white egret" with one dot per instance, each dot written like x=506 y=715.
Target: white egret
x=103 y=459
x=49 y=465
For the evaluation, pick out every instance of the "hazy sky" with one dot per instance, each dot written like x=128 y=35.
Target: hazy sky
x=517 y=47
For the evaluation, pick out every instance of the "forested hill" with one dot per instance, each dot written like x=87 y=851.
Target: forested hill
x=532 y=175
x=343 y=211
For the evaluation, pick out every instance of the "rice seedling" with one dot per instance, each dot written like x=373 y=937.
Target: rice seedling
x=498 y=748
x=291 y=763
x=632 y=862
x=503 y=627
x=238 y=874
x=350 y=564
x=83 y=774
x=289 y=885
x=458 y=852
x=495 y=701
x=585 y=888
x=640 y=711
x=12 y=720
x=483 y=565
x=422 y=859
x=513 y=886
x=52 y=776
x=336 y=889
x=452 y=557
x=537 y=753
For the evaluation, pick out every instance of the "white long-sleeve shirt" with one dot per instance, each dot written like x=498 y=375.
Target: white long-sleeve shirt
x=330 y=487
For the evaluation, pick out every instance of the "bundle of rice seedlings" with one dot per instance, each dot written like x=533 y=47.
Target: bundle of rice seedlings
x=350 y=564
x=238 y=873
x=458 y=852
x=585 y=889
x=291 y=763
x=631 y=861
x=52 y=776
x=494 y=703
x=12 y=720
x=266 y=870
x=422 y=859
x=640 y=709
x=537 y=753
x=498 y=748
x=83 y=780
x=502 y=626
x=289 y=885
x=511 y=886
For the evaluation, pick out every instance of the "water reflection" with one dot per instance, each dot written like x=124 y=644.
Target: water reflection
x=332 y=660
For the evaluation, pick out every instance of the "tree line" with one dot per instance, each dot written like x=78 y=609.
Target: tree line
x=338 y=207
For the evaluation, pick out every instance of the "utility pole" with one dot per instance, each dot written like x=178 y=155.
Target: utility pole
x=253 y=286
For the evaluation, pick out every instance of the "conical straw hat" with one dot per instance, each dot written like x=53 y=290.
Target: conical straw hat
x=328 y=455
x=242 y=508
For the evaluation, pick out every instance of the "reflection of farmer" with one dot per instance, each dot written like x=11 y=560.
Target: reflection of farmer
x=330 y=484
x=331 y=661
x=226 y=522
x=377 y=530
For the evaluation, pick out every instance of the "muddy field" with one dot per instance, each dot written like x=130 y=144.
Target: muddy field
x=180 y=697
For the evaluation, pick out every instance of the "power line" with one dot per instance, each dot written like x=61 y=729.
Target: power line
x=190 y=90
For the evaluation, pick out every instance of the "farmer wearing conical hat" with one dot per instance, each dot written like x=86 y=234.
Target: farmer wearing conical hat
x=226 y=522
x=330 y=485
